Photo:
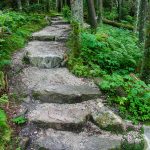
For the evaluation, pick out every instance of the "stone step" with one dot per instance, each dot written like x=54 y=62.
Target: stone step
x=73 y=117
x=70 y=117
x=52 y=33
x=59 y=22
x=57 y=86
x=62 y=140
x=57 y=18
x=44 y=54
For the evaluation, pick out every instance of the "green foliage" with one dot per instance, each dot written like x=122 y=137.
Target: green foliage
x=5 y=131
x=80 y=69
x=2 y=80
x=4 y=99
x=111 y=15
x=111 y=49
x=34 y=8
x=66 y=13
x=131 y=96
x=114 y=51
x=19 y=120
x=17 y=28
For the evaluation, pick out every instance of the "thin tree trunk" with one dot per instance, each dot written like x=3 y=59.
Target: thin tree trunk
x=77 y=10
x=48 y=5
x=142 y=18
x=19 y=4
x=92 y=14
x=137 y=15
x=146 y=59
x=100 y=10
x=59 y=5
x=69 y=3
x=27 y=2
x=120 y=4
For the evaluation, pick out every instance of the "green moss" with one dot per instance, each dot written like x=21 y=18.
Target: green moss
x=106 y=122
x=36 y=95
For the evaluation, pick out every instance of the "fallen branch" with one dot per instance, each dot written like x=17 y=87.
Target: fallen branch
x=117 y=24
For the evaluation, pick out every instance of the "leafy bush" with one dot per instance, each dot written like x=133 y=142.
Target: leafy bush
x=34 y=8
x=16 y=28
x=5 y=131
x=111 y=49
x=114 y=51
x=4 y=99
x=2 y=81
x=19 y=120
x=66 y=12
x=132 y=96
x=111 y=15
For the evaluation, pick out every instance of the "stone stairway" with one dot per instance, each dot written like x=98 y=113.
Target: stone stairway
x=64 y=112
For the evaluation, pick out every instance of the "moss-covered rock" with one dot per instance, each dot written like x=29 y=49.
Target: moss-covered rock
x=108 y=120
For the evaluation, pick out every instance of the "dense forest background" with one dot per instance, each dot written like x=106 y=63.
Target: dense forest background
x=110 y=42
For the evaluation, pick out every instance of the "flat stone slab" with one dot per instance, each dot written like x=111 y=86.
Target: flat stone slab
x=58 y=85
x=57 y=18
x=45 y=54
x=73 y=117
x=51 y=33
x=59 y=22
x=60 y=116
x=62 y=140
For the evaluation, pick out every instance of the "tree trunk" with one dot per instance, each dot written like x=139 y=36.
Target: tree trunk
x=77 y=10
x=19 y=4
x=68 y=3
x=142 y=18
x=137 y=15
x=48 y=5
x=92 y=14
x=118 y=24
x=27 y=3
x=120 y=4
x=59 y=5
x=146 y=60
x=100 y=10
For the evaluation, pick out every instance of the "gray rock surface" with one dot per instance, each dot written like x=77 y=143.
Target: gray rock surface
x=74 y=116
x=147 y=137
x=60 y=116
x=45 y=54
x=62 y=140
x=59 y=22
x=58 y=85
x=56 y=32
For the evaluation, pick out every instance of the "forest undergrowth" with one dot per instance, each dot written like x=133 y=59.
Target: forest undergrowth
x=113 y=57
